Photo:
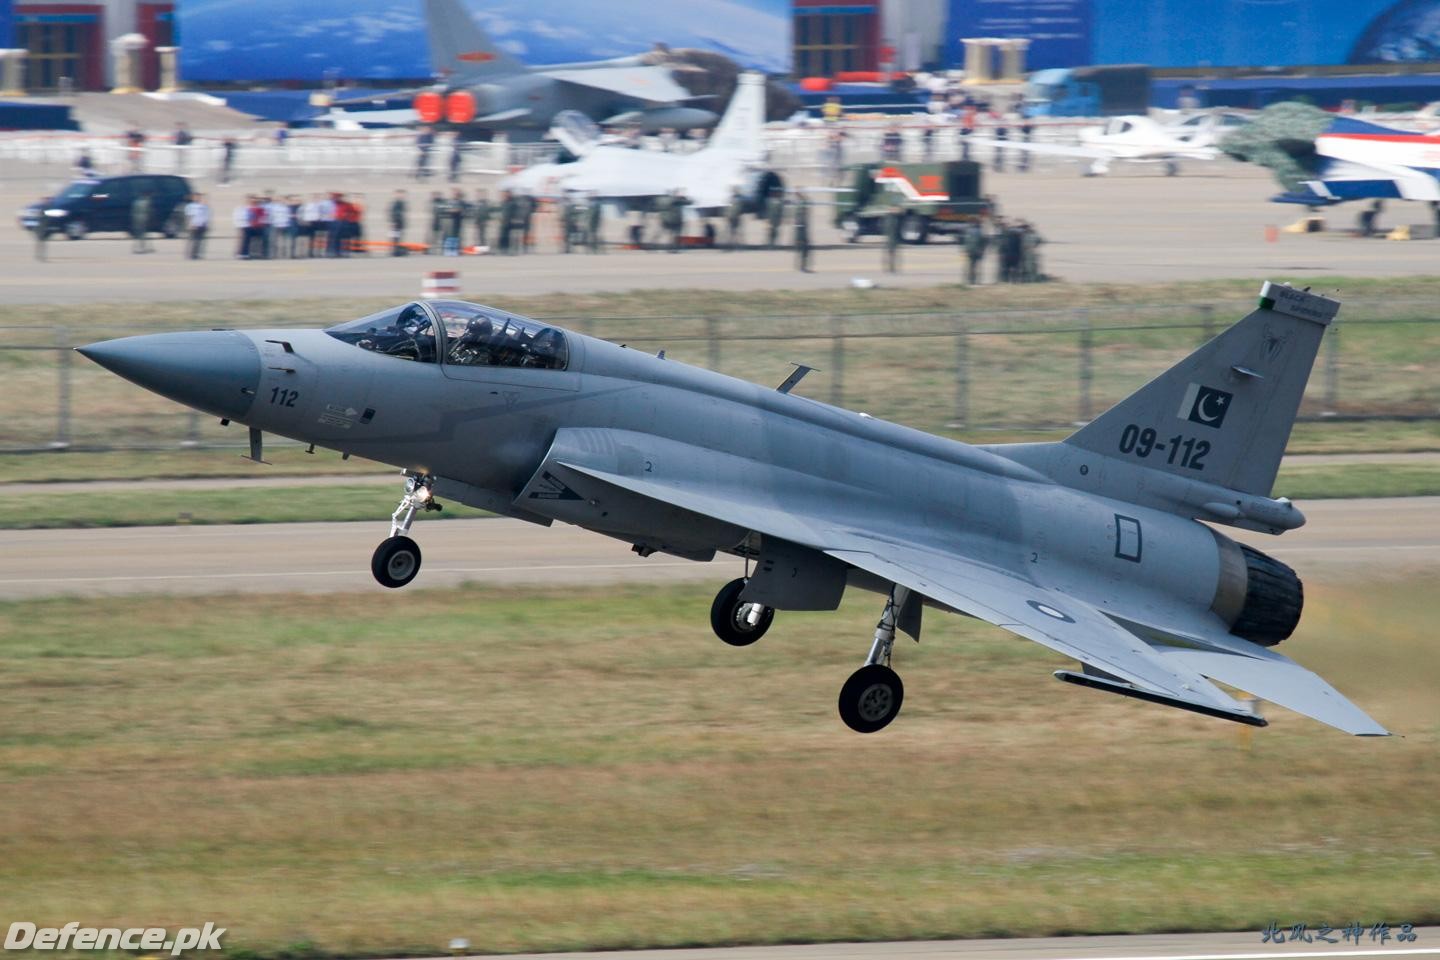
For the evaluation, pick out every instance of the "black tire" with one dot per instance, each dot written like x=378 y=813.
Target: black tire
x=726 y=621
x=915 y=228
x=173 y=227
x=871 y=698
x=395 y=562
x=75 y=230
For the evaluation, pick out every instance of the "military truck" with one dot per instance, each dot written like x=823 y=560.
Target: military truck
x=935 y=198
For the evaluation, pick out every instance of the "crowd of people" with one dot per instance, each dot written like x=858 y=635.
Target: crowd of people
x=274 y=227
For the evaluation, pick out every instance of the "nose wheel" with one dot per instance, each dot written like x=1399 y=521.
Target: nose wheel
x=397 y=560
x=871 y=698
x=737 y=623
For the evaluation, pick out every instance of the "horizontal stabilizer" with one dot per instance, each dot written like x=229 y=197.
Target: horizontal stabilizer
x=1279 y=679
x=1130 y=690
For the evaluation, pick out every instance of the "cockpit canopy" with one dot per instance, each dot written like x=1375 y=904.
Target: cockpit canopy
x=459 y=333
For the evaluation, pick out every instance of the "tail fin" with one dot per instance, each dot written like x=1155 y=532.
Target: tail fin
x=1223 y=414
x=739 y=128
x=459 y=49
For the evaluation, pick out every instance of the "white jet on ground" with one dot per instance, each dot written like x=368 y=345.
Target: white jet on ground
x=633 y=178
x=1137 y=139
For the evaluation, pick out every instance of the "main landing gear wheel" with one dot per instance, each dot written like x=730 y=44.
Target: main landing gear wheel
x=396 y=561
x=871 y=698
x=738 y=624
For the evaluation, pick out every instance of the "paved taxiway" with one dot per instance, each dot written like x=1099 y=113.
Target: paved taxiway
x=1180 y=946
x=1364 y=536
x=1133 y=226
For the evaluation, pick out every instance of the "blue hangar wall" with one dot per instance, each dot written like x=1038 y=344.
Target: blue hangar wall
x=235 y=41
x=1199 y=33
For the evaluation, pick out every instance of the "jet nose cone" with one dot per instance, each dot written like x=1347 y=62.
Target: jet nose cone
x=215 y=371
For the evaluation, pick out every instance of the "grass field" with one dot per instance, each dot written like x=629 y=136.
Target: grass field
x=551 y=770
x=897 y=357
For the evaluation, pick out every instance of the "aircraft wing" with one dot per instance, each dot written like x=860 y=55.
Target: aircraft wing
x=649 y=83
x=1171 y=674
x=1170 y=667
x=1092 y=152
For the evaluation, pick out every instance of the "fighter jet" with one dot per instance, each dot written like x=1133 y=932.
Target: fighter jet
x=1092 y=546
x=484 y=86
x=1136 y=139
x=1320 y=159
x=633 y=178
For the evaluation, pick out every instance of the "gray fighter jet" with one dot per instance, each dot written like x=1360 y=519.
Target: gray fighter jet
x=1090 y=546
x=483 y=86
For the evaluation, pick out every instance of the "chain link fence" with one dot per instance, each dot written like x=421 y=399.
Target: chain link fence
x=974 y=372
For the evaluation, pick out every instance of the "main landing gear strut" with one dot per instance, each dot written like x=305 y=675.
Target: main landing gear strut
x=872 y=696
x=397 y=560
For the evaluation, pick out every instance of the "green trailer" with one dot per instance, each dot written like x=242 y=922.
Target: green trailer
x=934 y=198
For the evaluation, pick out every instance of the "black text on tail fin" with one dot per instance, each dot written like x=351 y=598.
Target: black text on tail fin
x=1223 y=414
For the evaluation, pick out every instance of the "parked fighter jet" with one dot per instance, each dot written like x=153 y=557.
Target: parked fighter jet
x=1321 y=159
x=1137 y=139
x=1090 y=546
x=483 y=86
x=733 y=158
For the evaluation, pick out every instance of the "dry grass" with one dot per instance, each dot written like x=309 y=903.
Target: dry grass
x=593 y=769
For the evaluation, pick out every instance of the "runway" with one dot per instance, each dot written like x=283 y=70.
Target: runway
x=1181 y=946
x=1353 y=537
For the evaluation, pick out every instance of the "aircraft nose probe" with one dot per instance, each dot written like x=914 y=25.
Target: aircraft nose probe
x=217 y=371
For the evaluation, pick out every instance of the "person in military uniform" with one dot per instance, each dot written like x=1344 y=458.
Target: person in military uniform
x=522 y=215
x=437 y=221
x=525 y=238
x=802 y=233
x=975 y=242
x=506 y=217
x=774 y=216
x=892 y=239
x=397 y=224
x=594 y=215
x=140 y=222
x=672 y=217
x=1030 y=241
x=569 y=223
x=733 y=212
x=480 y=212
x=457 y=213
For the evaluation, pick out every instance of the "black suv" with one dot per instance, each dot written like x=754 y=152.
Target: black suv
x=88 y=206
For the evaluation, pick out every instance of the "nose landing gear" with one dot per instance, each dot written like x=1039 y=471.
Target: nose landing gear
x=871 y=698
x=397 y=560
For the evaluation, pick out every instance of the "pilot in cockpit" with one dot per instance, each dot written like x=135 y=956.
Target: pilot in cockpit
x=473 y=344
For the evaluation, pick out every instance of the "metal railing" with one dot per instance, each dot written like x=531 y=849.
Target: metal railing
x=1010 y=371
x=395 y=153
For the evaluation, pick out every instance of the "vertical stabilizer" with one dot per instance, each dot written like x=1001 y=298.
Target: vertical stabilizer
x=739 y=128
x=459 y=49
x=1223 y=414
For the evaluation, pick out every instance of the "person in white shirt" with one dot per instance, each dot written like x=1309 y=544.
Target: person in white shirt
x=197 y=222
x=277 y=215
x=310 y=228
x=241 y=219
